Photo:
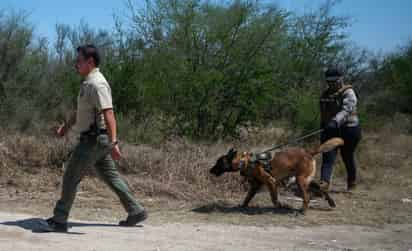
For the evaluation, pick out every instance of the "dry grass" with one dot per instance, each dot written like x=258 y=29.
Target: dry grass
x=176 y=174
x=177 y=169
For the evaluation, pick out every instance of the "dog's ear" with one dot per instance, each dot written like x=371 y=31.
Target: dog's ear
x=231 y=153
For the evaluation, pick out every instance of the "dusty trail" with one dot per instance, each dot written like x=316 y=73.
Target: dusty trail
x=16 y=233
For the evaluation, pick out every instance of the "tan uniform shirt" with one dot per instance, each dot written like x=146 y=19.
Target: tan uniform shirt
x=94 y=96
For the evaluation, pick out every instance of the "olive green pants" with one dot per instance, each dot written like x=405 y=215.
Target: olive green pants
x=93 y=151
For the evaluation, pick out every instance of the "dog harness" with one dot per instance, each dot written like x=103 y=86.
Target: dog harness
x=256 y=159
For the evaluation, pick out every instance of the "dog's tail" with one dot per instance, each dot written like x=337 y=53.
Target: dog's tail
x=327 y=146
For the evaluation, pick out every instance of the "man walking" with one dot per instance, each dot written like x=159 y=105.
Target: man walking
x=339 y=118
x=96 y=125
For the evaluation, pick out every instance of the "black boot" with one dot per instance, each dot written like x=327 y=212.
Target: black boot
x=54 y=226
x=351 y=186
x=132 y=220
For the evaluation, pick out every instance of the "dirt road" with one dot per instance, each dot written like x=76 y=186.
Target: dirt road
x=18 y=232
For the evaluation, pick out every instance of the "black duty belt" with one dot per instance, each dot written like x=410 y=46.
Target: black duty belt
x=93 y=133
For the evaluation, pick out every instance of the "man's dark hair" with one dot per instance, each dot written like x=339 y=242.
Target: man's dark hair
x=90 y=51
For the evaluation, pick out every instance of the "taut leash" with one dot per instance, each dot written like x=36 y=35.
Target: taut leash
x=294 y=141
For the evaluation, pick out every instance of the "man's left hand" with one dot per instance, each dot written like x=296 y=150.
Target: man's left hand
x=116 y=154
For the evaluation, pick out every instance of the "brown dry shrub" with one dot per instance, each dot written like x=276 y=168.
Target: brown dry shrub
x=31 y=152
x=179 y=169
x=385 y=157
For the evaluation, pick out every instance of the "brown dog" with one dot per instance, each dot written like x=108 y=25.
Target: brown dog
x=293 y=162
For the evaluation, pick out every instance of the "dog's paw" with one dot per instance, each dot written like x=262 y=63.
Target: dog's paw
x=285 y=205
x=331 y=202
x=298 y=212
x=243 y=206
x=278 y=205
x=301 y=212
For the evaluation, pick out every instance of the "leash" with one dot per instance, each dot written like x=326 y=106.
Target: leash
x=294 y=141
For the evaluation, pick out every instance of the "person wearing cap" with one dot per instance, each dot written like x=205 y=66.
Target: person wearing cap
x=95 y=123
x=339 y=118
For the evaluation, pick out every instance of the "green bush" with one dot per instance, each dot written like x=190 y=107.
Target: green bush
x=187 y=67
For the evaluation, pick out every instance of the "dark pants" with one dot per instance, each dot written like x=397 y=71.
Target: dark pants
x=93 y=151
x=351 y=137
